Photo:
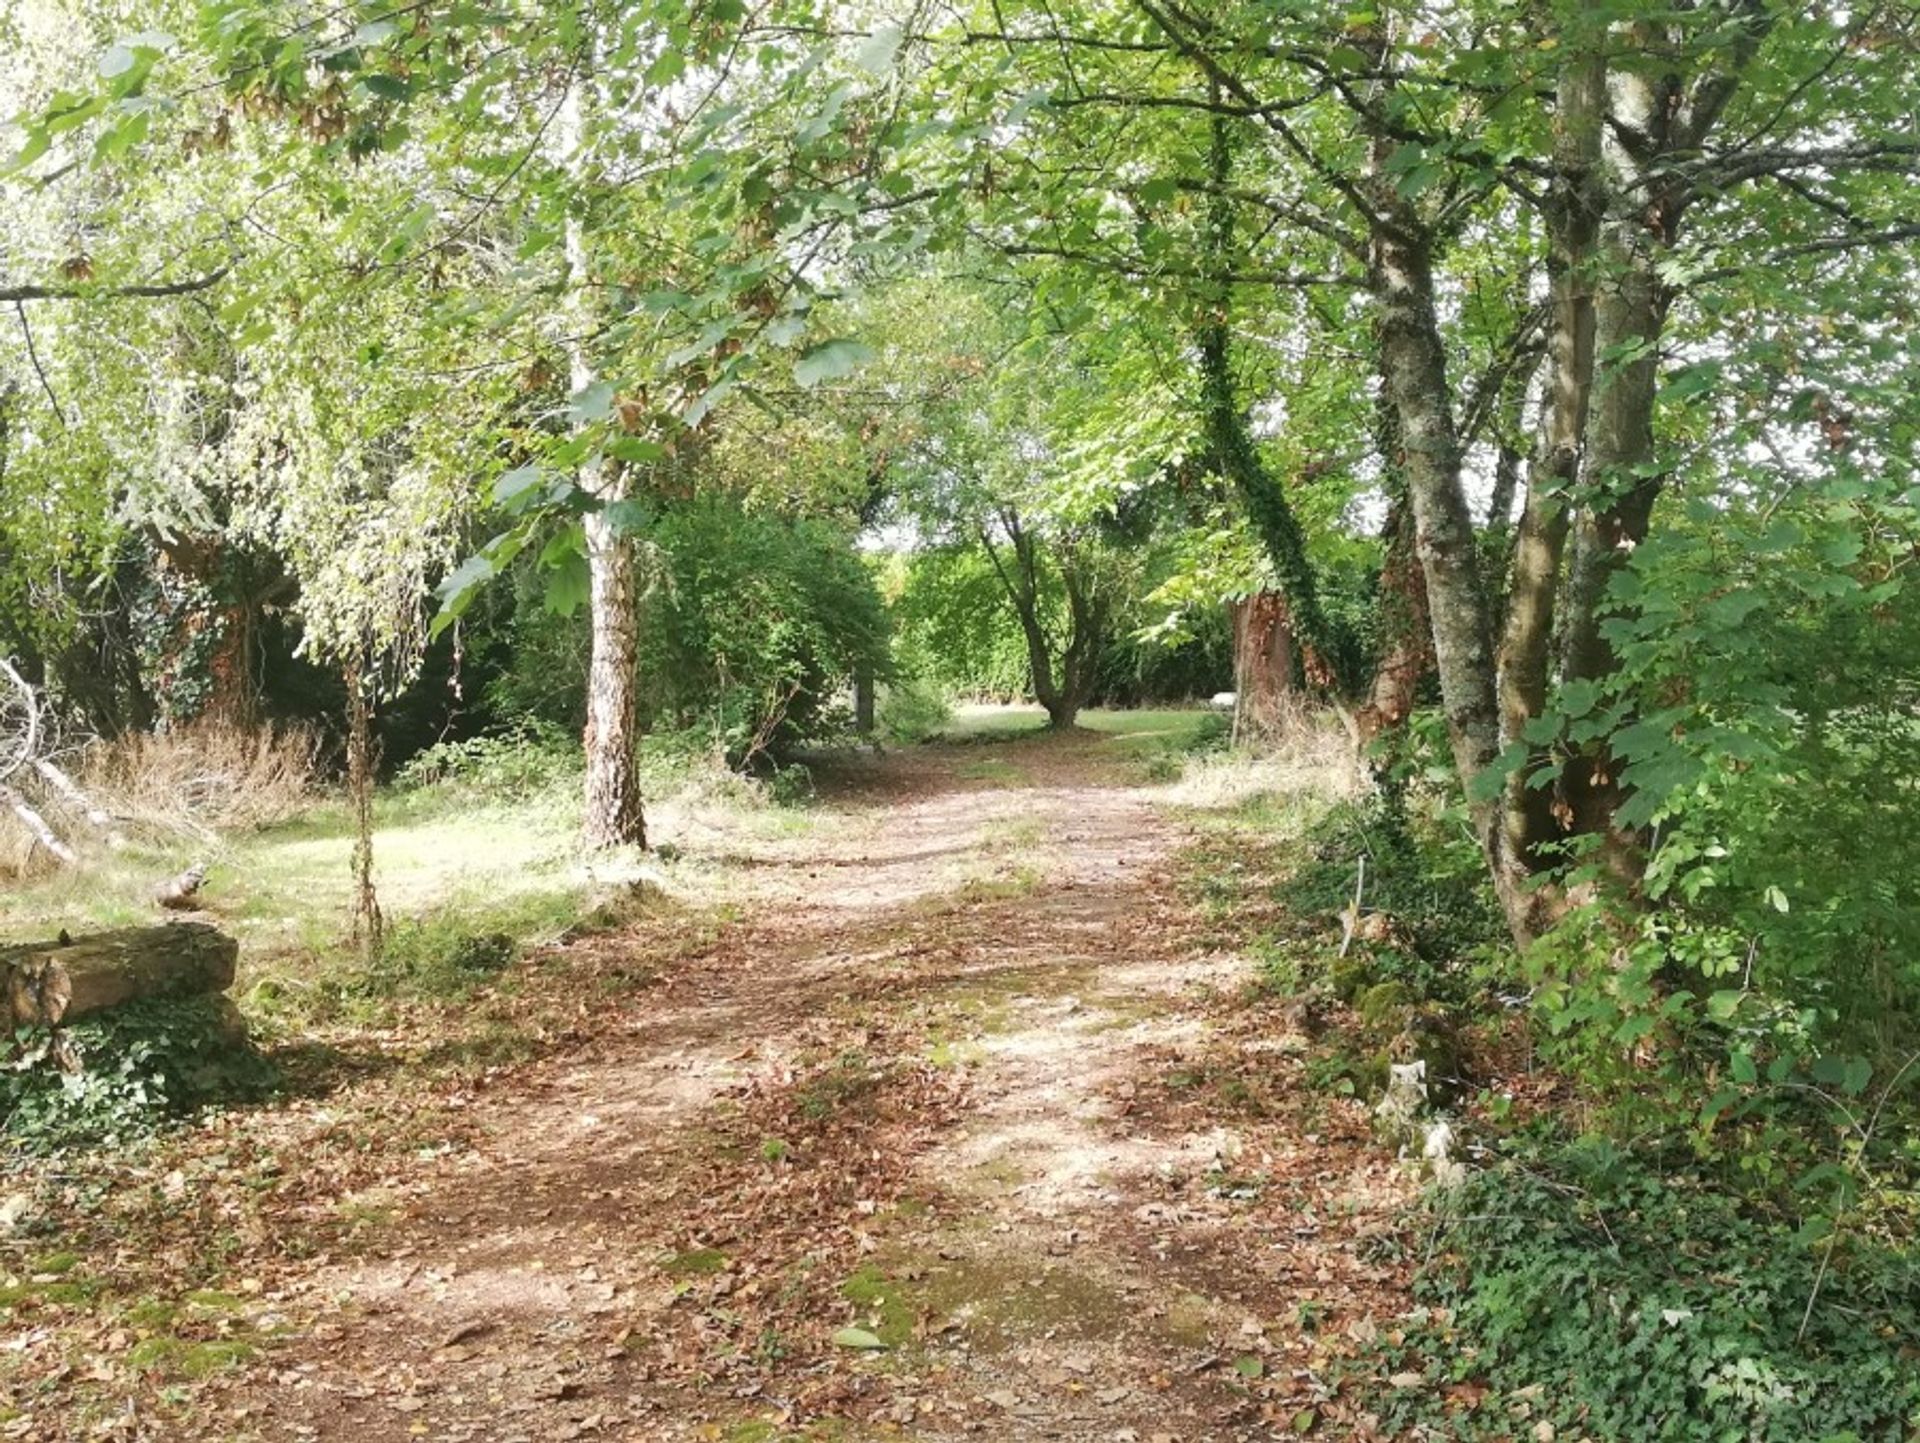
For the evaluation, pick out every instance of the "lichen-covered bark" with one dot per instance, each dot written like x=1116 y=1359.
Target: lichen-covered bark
x=613 y=814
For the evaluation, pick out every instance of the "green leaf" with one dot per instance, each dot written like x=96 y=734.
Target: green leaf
x=458 y=589
x=635 y=451
x=595 y=403
x=858 y=1338
x=629 y=515
x=831 y=360
x=387 y=87
x=569 y=583
x=879 y=50
x=516 y=485
x=667 y=67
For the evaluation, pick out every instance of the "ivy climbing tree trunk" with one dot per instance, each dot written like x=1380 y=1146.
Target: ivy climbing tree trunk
x=613 y=815
x=1230 y=440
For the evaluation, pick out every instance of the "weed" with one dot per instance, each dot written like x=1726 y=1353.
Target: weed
x=699 y=1263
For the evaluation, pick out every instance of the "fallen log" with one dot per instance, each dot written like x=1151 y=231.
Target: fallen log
x=37 y=825
x=48 y=983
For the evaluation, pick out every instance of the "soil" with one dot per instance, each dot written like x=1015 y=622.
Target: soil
x=966 y=1125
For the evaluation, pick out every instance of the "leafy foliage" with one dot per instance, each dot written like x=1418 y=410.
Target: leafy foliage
x=1603 y=1298
x=755 y=624
x=115 y=1077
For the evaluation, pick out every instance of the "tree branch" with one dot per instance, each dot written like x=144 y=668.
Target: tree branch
x=17 y=295
x=33 y=355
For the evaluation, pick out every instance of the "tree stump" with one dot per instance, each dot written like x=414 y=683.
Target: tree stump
x=49 y=983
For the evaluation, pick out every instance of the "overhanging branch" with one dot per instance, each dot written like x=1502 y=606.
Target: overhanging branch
x=16 y=295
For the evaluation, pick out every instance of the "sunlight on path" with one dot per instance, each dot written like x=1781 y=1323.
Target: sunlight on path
x=904 y=1149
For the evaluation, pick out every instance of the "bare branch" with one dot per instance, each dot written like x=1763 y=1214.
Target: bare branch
x=19 y=294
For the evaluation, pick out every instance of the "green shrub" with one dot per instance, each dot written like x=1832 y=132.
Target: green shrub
x=755 y=625
x=1434 y=891
x=910 y=711
x=117 y=1076
x=530 y=759
x=1614 y=1303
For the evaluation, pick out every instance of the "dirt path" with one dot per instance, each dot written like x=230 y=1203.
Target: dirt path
x=959 y=1135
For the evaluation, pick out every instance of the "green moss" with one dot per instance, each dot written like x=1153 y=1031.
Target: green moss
x=886 y=1304
x=150 y=1313
x=56 y=1263
x=956 y=1054
x=1378 y=1004
x=180 y=1358
x=216 y=1302
x=699 y=1263
x=1189 y=1320
x=57 y=1295
x=1348 y=976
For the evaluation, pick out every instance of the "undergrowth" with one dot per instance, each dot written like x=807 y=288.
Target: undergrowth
x=1608 y=1299
x=1568 y=1290
x=117 y=1077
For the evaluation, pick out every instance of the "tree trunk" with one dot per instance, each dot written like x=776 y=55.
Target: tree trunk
x=37 y=825
x=863 y=706
x=1576 y=205
x=48 y=983
x=1231 y=441
x=1058 y=702
x=1262 y=665
x=613 y=815
x=1408 y=655
x=369 y=927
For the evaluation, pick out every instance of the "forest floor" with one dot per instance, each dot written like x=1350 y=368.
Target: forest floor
x=955 y=1113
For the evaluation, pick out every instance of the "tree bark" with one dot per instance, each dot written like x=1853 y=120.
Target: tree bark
x=37 y=825
x=1654 y=118
x=1063 y=690
x=56 y=982
x=1575 y=208
x=1408 y=655
x=1238 y=458
x=613 y=815
x=863 y=702
x=369 y=927
x=1262 y=665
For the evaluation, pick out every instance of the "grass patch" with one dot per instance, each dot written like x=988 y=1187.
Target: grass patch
x=885 y=1306
x=697 y=1263
x=188 y=1360
x=845 y=1082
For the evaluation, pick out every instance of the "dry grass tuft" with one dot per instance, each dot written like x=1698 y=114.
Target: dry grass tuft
x=1312 y=755
x=204 y=780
